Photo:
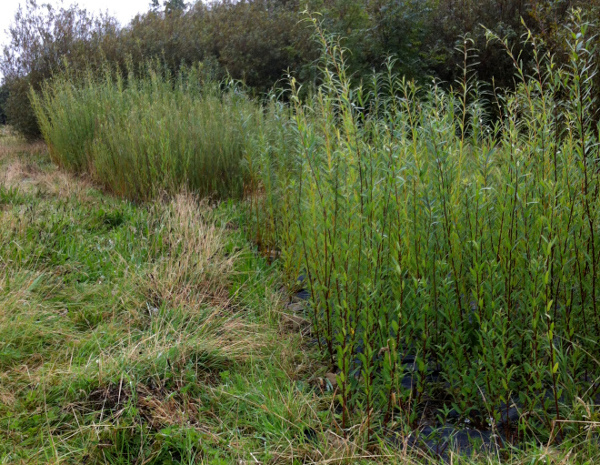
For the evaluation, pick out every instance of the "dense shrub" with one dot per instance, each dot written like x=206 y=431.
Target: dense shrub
x=147 y=135
x=3 y=99
x=43 y=39
x=453 y=262
x=254 y=41
x=259 y=41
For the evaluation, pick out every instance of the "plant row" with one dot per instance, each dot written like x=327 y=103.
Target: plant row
x=142 y=136
x=452 y=258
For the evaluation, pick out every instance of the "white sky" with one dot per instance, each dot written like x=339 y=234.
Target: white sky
x=123 y=10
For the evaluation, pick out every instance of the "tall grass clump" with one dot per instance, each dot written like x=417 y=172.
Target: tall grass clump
x=149 y=132
x=452 y=259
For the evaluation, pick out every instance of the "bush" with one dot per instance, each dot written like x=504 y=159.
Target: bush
x=452 y=262
x=142 y=136
x=259 y=41
x=252 y=41
x=43 y=39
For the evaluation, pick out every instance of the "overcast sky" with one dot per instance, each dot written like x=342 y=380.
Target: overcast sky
x=123 y=10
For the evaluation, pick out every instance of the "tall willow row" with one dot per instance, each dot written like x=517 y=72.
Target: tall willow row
x=452 y=258
x=143 y=132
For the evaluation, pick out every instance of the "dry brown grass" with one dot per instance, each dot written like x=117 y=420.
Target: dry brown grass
x=7 y=396
x=194 y=271
x=27 y=177
x=11 y=146
x=20 y=170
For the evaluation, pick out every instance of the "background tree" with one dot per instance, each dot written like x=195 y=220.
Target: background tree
x=169 y=6
x=42 y=40
x=259 y=41
x=3 y=98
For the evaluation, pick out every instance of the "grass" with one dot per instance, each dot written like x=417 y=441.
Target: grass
x=154 y=334
x=135 y=334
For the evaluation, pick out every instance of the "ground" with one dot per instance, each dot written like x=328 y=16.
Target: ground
x=151 y=334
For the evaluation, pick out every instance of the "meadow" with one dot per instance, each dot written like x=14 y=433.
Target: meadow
x=443 y=242
x=133 y=334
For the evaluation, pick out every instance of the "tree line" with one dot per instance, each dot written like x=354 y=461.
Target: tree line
x=259 y=42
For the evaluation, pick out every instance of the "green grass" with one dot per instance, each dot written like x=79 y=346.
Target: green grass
x=133 y=334
x=153 y=334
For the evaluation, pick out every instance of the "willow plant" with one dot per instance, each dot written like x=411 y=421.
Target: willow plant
x=145 y=132
x=451 y=257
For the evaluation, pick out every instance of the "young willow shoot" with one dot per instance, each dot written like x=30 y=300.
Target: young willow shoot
x=452 y=259
x=149 y=132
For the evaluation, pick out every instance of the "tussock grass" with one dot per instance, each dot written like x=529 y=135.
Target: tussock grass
x=133 y=333
x=198 y=272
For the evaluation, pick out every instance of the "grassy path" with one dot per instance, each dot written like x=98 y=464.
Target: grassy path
x=137 y=334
